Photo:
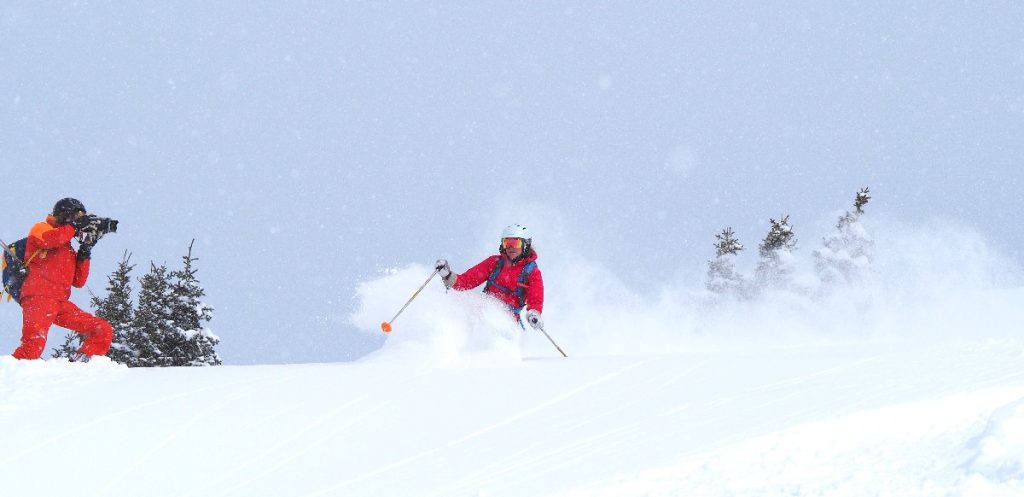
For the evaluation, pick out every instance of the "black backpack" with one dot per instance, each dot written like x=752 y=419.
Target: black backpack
x=14 y=269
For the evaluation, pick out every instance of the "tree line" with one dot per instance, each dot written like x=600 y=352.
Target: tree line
x=843 y=258
x=166 y=327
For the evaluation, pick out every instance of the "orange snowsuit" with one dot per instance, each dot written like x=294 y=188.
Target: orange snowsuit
x=53 y=269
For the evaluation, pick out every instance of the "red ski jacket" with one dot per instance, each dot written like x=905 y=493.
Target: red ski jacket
x=55 y=268
x=508 y=278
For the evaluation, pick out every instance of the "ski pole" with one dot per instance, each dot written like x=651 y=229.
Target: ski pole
x=386 y=325
x=541 y=328
x=10 y=250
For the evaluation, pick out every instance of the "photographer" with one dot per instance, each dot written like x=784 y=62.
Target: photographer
x=53 y=268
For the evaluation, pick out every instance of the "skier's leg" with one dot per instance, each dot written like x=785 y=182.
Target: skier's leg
x=98 y=332
x=37 y=314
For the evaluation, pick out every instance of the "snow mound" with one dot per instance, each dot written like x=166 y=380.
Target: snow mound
x=997 y=468
x=438 y=326
x=27 y=383
x=924 y=444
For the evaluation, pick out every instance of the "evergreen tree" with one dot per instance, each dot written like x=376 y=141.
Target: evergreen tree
x=189 y=314
x=723 y=279
x=72 y=342
x=152 y=334
x=775 y=267
x=117 y=309
x=167 y=327
x=846 y=253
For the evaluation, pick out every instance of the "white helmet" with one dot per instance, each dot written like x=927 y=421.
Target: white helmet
x=516 y=231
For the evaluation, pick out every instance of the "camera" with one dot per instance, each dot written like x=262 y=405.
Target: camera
x=97 y=227
x=102 y=225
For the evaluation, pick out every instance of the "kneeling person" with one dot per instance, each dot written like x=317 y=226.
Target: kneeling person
x=53 y=268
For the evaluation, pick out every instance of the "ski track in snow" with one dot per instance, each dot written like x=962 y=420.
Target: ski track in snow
x=253 y=387
x=511 y=419
x=105 y=418
x=552 y=459
x=202 y=490
x=362 y=402
x=542 y=451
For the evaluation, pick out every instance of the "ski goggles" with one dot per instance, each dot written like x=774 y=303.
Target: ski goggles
x=512 y=243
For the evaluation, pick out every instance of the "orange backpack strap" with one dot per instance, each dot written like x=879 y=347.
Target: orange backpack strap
x=37 y=231
x=33 y=256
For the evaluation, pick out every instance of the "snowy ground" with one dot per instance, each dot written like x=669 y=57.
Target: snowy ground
x=911 y=387
x=889 y=419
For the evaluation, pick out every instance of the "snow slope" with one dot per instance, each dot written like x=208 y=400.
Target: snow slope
x=892 y=419
x=911 y=384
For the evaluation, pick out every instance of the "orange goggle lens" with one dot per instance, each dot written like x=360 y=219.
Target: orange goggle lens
x=512 y=243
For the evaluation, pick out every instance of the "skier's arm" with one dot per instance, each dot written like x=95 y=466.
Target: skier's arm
x=535 y=291
x=476 y=275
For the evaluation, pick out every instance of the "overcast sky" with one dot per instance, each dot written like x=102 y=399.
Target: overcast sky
x=308 y=146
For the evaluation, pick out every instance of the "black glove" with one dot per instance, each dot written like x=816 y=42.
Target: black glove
x=84 y=252
x=88 y=236
x=80 y=223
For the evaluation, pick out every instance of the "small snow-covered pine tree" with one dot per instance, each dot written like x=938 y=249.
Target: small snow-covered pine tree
x=846 y=253
x=118 y=309
x=776 y=265
x=189 y=314
x=723 y=279
x=152 y=334
x=72 y=342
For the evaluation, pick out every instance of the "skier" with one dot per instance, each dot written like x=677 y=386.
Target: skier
x=54 y=268
x=512 y=276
